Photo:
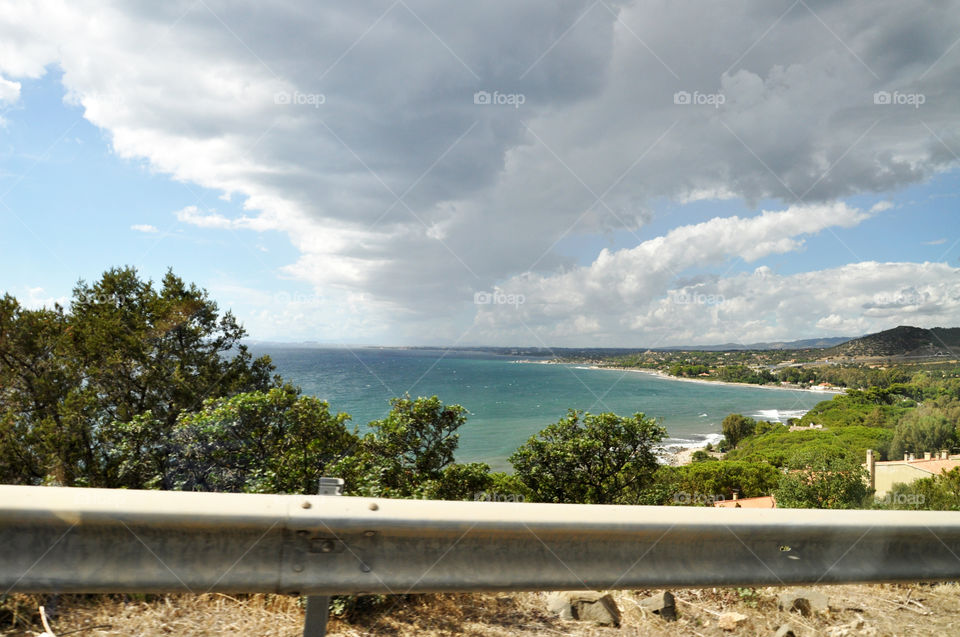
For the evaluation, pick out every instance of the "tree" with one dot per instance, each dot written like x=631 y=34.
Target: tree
x=591 y=459
x=777 y=446
x=706 y=481
x=736 y=427
x=923 y=429
x=262 y=442
x=938 y=493
x=473 y=481
x=822 y=480
x=122 y=349
x=36 y=444
x=412 y=445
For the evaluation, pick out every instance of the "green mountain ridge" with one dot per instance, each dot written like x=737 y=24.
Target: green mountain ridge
x=903 y=340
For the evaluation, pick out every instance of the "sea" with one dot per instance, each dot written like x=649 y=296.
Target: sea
x=510 y=401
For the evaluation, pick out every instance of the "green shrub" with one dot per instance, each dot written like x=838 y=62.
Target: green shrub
x=820 y=479
x=701 y=456
x=590 y=459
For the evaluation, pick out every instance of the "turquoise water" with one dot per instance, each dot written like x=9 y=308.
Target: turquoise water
x=509 y=402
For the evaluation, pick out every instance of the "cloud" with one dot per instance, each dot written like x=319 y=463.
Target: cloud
x=935 y=242
x=639 y=297
x=402 y=194
x=748 y=307
x=37 y=298
x=9 y=91
x=193 y=216
x=144 y=227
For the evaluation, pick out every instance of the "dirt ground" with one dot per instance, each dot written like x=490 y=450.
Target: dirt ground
x=884 y=609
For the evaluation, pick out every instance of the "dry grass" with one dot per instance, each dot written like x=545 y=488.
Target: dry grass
x=269 y=615
x=854 y=610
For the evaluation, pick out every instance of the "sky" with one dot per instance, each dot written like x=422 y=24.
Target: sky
x=545 y=173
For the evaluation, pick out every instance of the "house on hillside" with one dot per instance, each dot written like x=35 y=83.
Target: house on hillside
x=883 y=475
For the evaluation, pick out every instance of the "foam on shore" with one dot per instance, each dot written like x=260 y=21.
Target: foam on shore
x=778 y=415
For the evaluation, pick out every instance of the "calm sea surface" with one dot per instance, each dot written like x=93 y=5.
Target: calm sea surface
x=509 y=402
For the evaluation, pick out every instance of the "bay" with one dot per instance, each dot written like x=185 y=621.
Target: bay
x=509 y=401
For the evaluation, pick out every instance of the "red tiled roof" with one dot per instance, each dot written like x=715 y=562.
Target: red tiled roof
x=935 y=466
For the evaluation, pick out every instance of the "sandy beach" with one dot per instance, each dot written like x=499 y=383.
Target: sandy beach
x=676 y=456
x=666 y=376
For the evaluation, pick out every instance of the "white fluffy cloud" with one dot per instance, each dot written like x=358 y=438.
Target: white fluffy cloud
x=192 y=215
x=354 y=130
x=9 y=91
x=758 y=306
x=37 y=298
x=632 y=294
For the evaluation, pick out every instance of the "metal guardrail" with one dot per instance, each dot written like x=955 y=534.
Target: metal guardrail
x=65 y=540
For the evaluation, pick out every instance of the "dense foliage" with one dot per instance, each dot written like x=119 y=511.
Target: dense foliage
x=703 y=483
x=776 y=367
x=822 y=480
x=938 y=493
x=590 y=458
x=262 y=442
x=71 y=379
x=918 y=416
x=927 y=428
x=779 y=445
x=736 y=427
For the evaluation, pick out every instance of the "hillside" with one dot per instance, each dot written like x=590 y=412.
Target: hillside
x=807 y=343
x=903 y=340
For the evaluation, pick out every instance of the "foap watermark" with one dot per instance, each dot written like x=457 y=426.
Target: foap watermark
x=697 y=98
x=896 y=98
x=899 y=299
x=696 y=298
x=298 y=298
x=497 y=98
x=903 y=499
x=91 y=297
x=697 y=499
x=498 y=298
x=299 y=99
x=493 y=496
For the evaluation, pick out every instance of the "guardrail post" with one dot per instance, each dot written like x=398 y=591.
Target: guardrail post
x=318 y=606
x=318 y=611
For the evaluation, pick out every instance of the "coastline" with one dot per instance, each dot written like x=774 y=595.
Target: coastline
x=676 y=458
x=679 y=453
x=659 y=374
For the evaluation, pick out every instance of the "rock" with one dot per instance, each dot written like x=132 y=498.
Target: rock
x=785 y=631
x=559 y=604
x=603 y=612
x=661 y=604
x=856 y=628
x=731 y=621
x=585 y=606
x=805 y=601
